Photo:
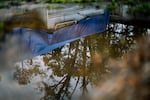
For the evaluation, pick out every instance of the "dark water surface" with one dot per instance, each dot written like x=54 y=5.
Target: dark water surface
x=72 y=71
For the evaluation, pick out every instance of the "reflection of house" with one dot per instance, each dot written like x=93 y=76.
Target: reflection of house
x=61 y=18
x=36 y=42
x=32 y=40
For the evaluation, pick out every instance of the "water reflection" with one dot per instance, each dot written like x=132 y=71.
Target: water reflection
x=71 y=71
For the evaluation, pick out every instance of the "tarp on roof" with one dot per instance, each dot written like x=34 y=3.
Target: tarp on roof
x=33 y=42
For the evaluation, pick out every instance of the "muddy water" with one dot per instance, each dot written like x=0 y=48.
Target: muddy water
x=73 y=70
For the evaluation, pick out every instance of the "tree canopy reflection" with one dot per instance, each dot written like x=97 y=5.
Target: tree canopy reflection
x=71 y=71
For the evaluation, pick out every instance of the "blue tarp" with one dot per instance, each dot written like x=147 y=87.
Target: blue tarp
x=37 y=42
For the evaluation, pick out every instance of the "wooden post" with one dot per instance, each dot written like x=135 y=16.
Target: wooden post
x=43 y=13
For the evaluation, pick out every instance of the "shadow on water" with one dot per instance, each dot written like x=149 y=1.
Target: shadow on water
x=72 y=71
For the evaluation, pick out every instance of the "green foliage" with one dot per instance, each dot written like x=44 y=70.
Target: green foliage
x=113 y=7
x=1 y=29
x=140 y=10
x=1 y=25
x=133 y=1
x=69 y=1
x=4 y=5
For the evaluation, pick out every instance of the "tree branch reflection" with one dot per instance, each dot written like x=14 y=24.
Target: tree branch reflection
x=72 y=70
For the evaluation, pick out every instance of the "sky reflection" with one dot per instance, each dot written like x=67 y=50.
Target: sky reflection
x=73 y=70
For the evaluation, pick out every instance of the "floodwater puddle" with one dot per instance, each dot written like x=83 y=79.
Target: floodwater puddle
x=72 y=71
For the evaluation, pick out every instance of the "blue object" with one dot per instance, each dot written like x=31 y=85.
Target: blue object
x=37 y=42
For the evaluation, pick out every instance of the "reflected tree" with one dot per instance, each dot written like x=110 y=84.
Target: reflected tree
x=25 y=71
x=70 y=71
